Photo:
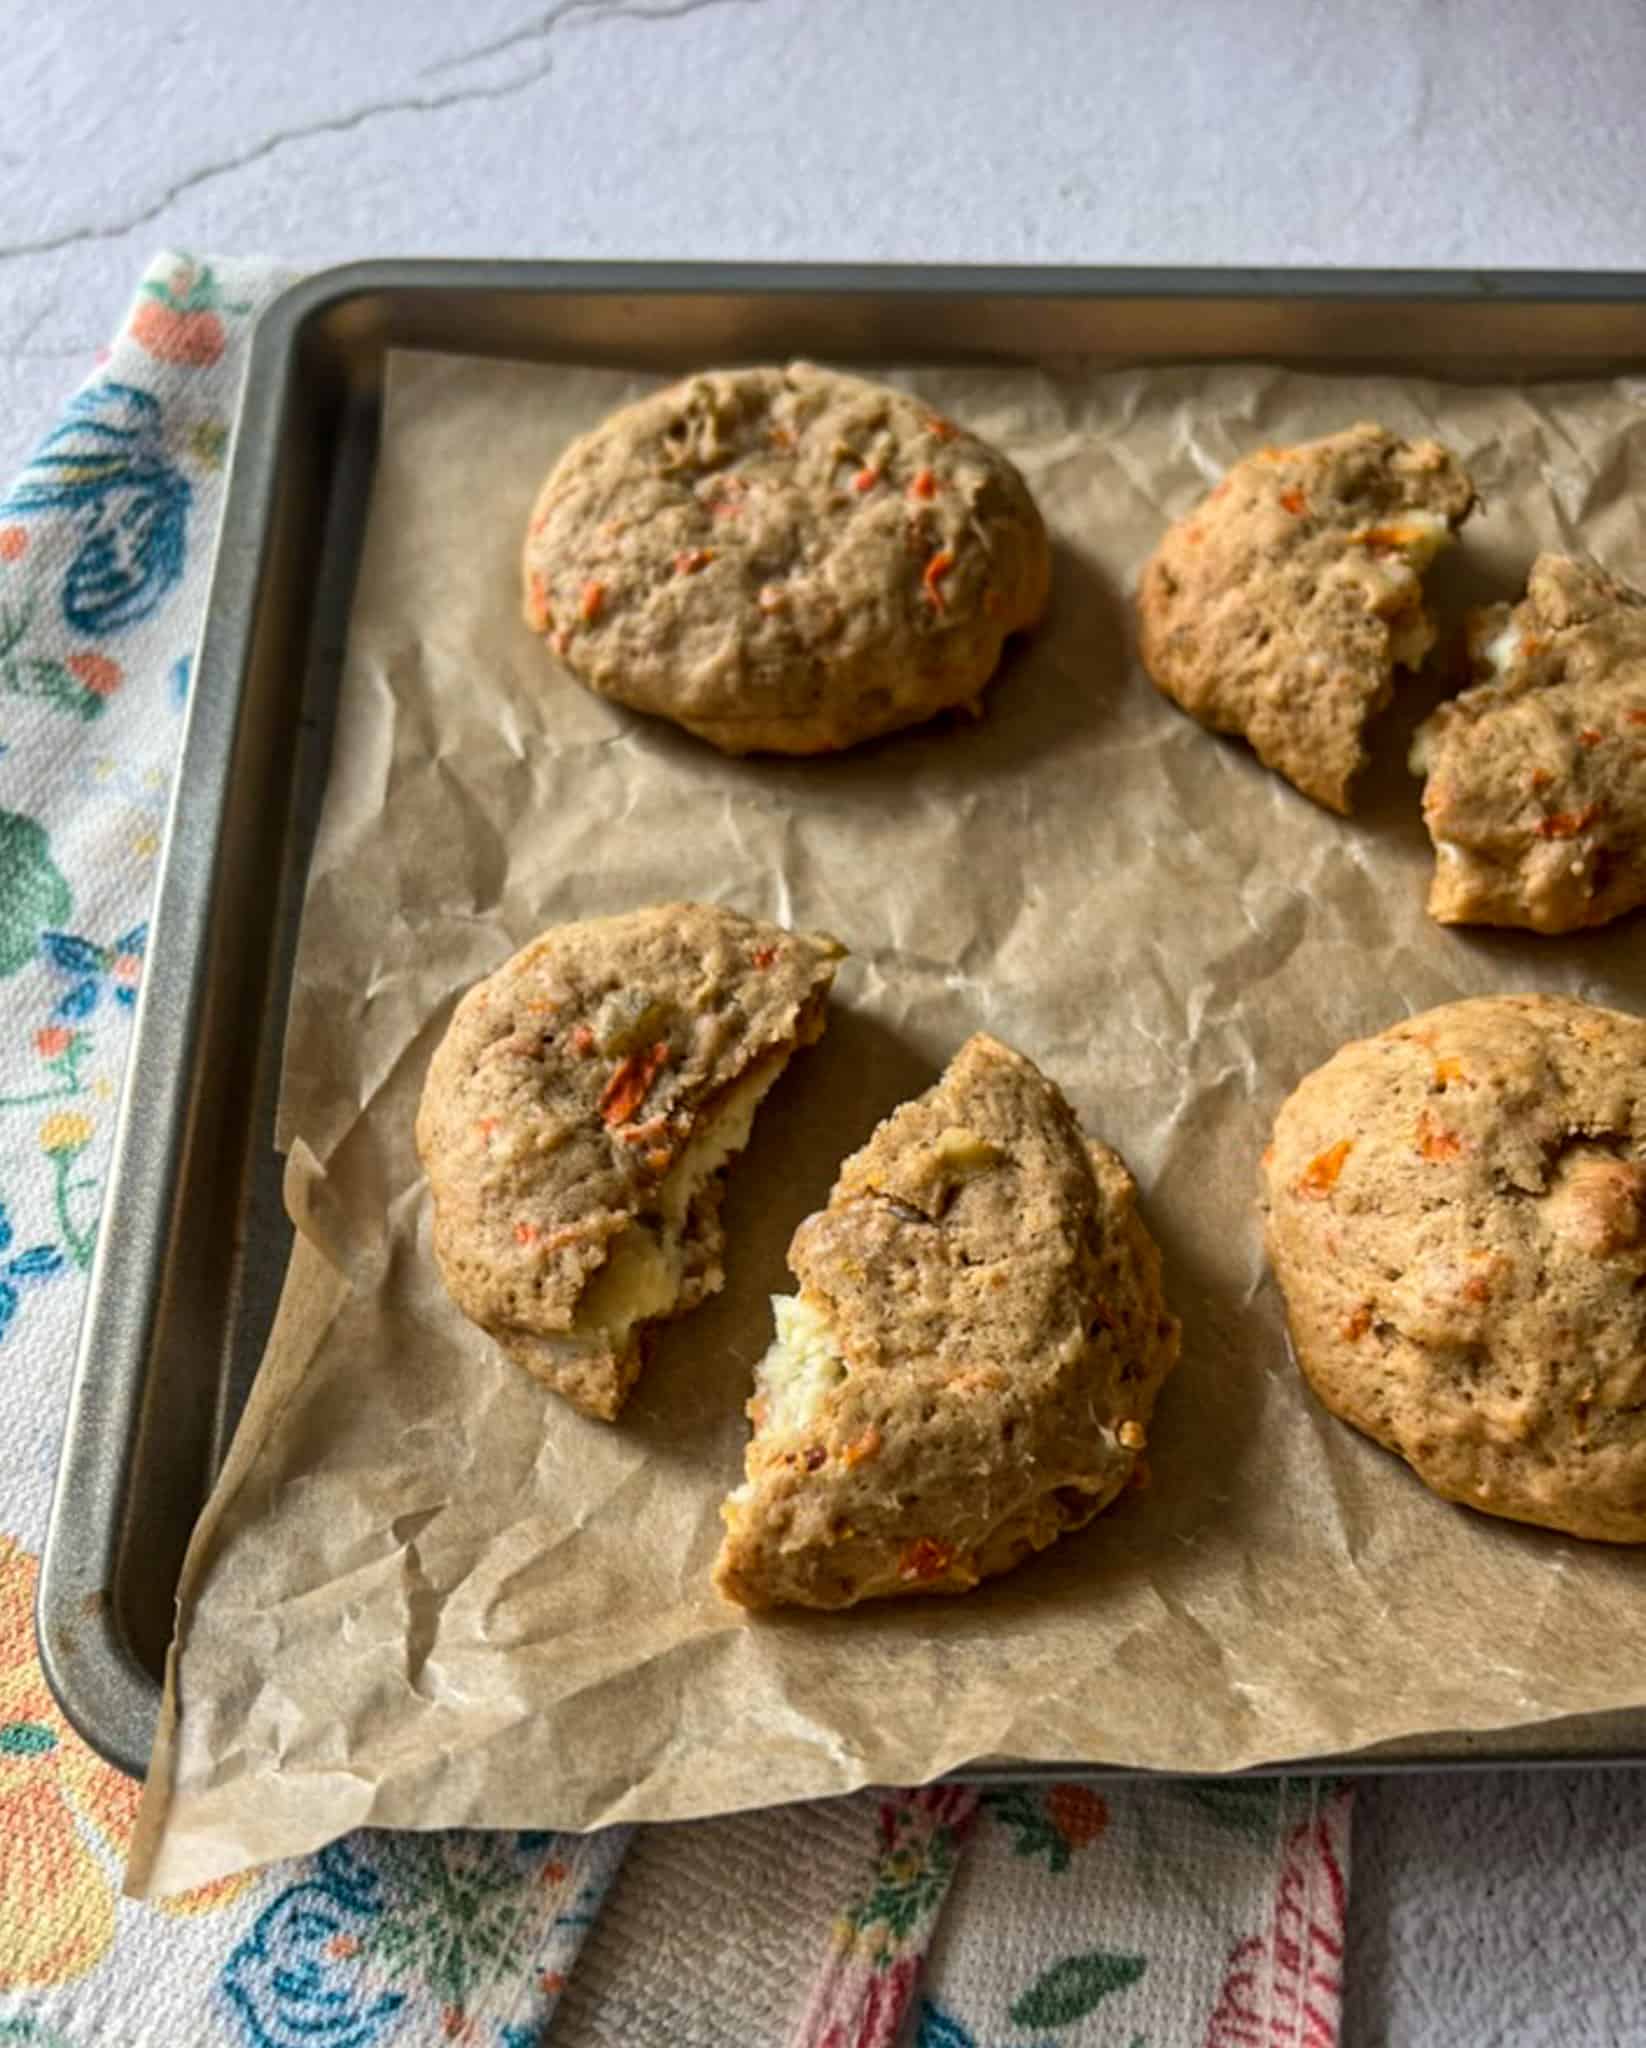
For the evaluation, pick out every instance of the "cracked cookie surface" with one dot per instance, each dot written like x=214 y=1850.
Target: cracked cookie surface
x=1536 y=791
x=1281 y=606
x=784 y=560
x=969 y=1367
x=1456 y=1214
x=578 y=1117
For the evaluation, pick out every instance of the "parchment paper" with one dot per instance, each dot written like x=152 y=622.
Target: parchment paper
x=426 y=1592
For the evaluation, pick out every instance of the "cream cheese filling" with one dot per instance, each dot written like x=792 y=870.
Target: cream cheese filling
x=646 y=1267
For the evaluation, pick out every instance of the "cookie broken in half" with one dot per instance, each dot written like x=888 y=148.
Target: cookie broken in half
x=968 y=1369
x=578 y=1117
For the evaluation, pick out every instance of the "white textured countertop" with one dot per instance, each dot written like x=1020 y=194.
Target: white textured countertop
x=1419 y=132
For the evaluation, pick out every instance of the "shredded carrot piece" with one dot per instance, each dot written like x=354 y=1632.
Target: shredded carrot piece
x=1447 y=1070
x=583 y=1041
x=486 y=1126
x=862 y=1448
x=592 y=603
x=630 y=1084
x=1435 y=1142
x=764 y=956
x=1634 y=717
x=1319 y=1177
x=542 y=611
x=1294 y=501
x=1568 y=824
x=936 y=569
x=1588 y=737
x=923 y=485
x=1358 y=1322
x=690 y=560
x=944 y=430
x=526 y=1233
x=866 y=478
x=925 y=1559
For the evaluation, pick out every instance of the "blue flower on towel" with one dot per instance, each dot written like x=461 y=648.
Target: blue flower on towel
x=106 y=464
x=300 y=1978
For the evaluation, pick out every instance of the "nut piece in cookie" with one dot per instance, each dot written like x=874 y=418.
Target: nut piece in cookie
x=784 y=560
x=1536 y=792
x=1282 y=605
x=969 y=1367
x=1456 y=1214
x=577 y=1117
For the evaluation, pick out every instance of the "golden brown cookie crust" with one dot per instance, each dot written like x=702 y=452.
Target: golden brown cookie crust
x=573 y=1090
x=784 y=560
x=1280 y=607
x=995 y=1305
x=1536 y=792
x=1456 y=1214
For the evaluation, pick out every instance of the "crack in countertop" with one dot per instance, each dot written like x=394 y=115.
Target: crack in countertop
x=541 y=30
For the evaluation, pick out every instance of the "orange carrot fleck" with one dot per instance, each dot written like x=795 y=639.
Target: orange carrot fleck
x=923 y=485
x=780 y=437
x=862 y=1448
x=1568 y=824
x=526 y=1233
x=690 y=560
x=1541 y=778
x=764 y=956
x=583 y=1041
x=631 y=1083
x=1633 y=717
x=1294 y=502
x=938 y=426
x=1588 y=737
x=925 y=1559
x=1447 y=1070
x=866 y=478
x=1435 y=1142
x=1358 y=1322
x=1319 y=1177
x=935 y=571
x=1477 y=1288
x=486 y=1126
x=592 y=602
x=542 y=611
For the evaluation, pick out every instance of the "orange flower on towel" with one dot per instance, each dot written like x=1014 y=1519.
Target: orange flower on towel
x=65 y=1815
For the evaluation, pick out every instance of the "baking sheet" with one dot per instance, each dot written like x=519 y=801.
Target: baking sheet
x=426 y=1593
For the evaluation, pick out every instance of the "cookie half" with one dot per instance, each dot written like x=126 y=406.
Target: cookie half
x=784 y=560
x=578 y=1117
x=969 y=1367
x=1536 y=792
x=1281 y=606
x=1456 y=1214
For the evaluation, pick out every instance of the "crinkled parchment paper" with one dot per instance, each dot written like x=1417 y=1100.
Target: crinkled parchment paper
x=426 y=1592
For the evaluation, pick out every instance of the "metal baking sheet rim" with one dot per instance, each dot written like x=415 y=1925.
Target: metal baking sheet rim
x=105 y=1689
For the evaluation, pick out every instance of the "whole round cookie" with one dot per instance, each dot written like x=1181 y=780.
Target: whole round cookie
x=578 y=1117
x=1281 y=606
x=1456 y=1214
x=1536 y=792
x=968 y=1370
x=784 y=560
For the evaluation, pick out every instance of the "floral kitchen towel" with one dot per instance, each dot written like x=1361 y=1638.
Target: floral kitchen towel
x=1025 y=1916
